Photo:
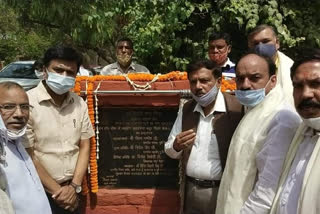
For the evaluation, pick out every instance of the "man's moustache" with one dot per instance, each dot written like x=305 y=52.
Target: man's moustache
x=308 y=103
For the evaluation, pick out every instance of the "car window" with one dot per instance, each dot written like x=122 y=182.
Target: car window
x=15 y=70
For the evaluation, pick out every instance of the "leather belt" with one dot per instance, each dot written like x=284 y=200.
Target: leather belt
x=204 y=183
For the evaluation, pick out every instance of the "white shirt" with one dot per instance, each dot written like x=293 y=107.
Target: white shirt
x=83 y=71
x=24 y=185
x=204 y=161
x=230 y=64
x=289 y=196
x=270 y=160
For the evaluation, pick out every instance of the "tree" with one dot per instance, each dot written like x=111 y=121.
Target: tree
x=167 y=35
x=17 y=43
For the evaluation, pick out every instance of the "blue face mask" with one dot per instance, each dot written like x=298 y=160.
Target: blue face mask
x=250 y=98
x=208 y=98
x=59 y=84
x=267 y=50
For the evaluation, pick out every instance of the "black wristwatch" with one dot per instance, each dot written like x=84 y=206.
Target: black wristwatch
x=76 y=187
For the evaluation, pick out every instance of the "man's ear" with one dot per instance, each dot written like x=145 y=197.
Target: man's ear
x=219 y=80
x=277 y=43
x=273 y=81
x=229 y=47
x=45 y=72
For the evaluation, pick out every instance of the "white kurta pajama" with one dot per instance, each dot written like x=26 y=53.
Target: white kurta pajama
x=301 y=167
x=240 y=173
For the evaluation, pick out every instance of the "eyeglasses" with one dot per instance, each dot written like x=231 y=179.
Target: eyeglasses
x=10 y=108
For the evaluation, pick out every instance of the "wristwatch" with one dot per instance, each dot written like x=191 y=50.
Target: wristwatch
x=76 y=187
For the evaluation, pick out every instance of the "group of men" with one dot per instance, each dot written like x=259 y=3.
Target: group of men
x=249 y=153
x=255 y=152
x=45 y=140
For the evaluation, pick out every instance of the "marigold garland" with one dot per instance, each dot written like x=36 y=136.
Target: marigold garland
x=226 y=85
x=93 y=154
x=172 y=76
x=92 y=161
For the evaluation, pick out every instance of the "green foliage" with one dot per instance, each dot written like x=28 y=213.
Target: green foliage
x=18 y=43
x=296 y=22
x=167 y=35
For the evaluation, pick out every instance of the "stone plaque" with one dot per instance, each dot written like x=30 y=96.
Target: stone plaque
x=132 y=147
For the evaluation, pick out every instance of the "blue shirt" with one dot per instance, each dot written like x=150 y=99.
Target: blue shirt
x=24 y=185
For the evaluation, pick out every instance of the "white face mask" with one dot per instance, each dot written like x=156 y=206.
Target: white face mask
x=14 y=135
x=312 y=122
x=59 y=84
x=39 y=74
x=208 y=98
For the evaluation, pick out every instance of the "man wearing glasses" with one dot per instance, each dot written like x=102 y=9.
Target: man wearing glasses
x=23 y=184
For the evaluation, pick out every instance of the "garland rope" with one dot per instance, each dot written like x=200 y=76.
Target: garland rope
x=141 y=87
x=97 y=119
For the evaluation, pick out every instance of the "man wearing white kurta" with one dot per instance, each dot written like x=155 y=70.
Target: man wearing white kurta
x=264 y=41
x=23 y=183
x=260 y=142
x=299 y=187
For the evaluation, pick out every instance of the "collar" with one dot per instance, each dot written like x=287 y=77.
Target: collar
x=310 y=132
x=131 y=66
x=219 y=106
x=3 y=140
x=228 y=63
x=43 y=95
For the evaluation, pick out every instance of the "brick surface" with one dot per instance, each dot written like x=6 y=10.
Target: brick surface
x=134 y=201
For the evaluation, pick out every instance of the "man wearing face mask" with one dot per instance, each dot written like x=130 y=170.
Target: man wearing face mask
x=23 y=183
x=259 y=145
x=264 y=41
x=5 y=203
x=38 y=68
x=59 y=130
x=200 y=137
x=124 y=64
x=219 y=49
x=299 y=187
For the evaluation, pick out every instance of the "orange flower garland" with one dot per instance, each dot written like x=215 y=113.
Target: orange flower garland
x=172 y=76
x=92 y=160
x=93 y=153
x=228 y=84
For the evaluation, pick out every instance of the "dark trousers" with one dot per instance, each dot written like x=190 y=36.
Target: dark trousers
x=59 y=210
x=200 y=200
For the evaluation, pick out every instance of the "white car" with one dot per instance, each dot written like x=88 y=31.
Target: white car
x=21 y=72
